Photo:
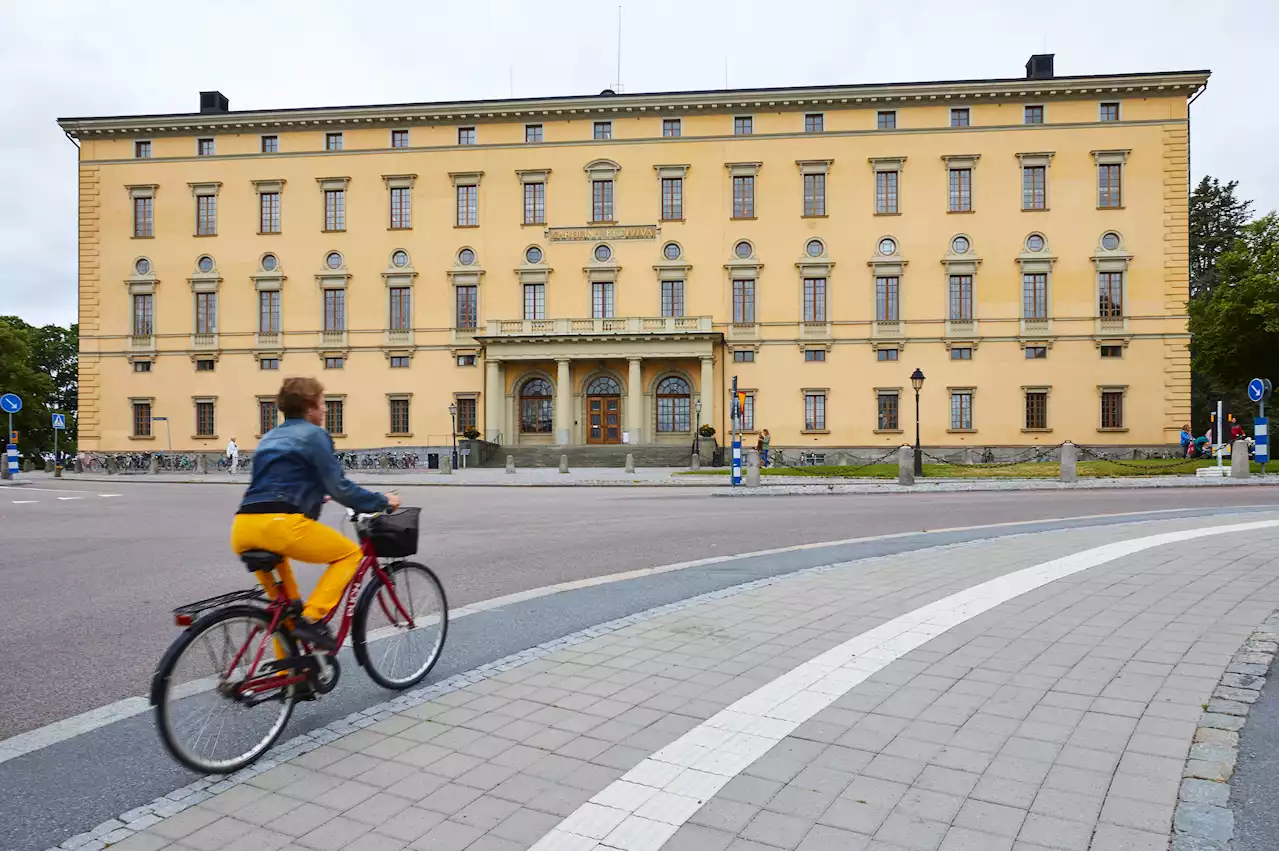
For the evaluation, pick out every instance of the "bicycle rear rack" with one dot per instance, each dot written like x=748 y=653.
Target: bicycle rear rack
x=186 y=614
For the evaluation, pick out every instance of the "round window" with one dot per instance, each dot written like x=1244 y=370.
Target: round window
x=1110 y=241
x=333 y=260
x=888 y=246
x=205 y=263
x=143 y=266
x=400 y=258
x=1035 y=242
x=671 y=251
x=960 y=245
x=814 y=248
x=603 y=253
x=742 y=249
x=533 y=254
x=466 y=257
x=269 y=262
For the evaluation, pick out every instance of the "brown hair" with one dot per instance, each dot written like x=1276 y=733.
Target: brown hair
x=298 y=395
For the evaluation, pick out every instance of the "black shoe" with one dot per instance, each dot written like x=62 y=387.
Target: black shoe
x=314 y=633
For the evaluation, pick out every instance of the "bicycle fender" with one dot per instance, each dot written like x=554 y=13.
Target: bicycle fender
x=158 y=682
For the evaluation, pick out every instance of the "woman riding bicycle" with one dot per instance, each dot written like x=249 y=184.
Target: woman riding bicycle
x=294 y=469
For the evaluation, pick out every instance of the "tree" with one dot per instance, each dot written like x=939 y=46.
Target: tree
x=1215 y=218
x=20 y=374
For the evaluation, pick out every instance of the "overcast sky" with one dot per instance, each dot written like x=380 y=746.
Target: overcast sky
x=114 y=57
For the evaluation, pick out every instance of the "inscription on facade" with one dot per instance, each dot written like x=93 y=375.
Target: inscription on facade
x=602 y=232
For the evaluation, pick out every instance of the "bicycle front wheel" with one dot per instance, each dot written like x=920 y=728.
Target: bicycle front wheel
x=206 y=720
x=399 y=629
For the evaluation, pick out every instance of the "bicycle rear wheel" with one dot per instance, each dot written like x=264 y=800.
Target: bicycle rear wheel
x=397 y=655
x=204 y=722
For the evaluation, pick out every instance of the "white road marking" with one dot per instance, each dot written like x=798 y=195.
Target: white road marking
x=107 y=495
x=87 y=722
x=65 y=498
x=647 y=805
x=27 y=488
x=24 y=501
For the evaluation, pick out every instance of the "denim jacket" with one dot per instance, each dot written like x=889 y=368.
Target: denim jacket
x=294 y=464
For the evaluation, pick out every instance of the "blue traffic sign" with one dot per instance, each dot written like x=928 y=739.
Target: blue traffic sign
x=59 y=420
x=1256 y=390
x=10 y=403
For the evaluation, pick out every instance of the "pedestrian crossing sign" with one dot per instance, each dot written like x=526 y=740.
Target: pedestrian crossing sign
x=59 y=420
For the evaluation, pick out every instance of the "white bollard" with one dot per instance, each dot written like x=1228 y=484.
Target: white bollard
x=511 y=463
x=1240 y=460
x=906 y=465
x=695 y=462
x=1067 y=462
x=564 y=463
x=631 y=463
x=753 y=468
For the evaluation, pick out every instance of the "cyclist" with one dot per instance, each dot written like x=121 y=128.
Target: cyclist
x=294 y=471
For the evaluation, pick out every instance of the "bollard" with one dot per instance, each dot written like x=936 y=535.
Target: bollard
x=906 y=465
x=511 y=463
x=111 y=466
x=48 y=465
x=57 y=472
x=1239 y=460
x=28 y=466
x=631 y=463
x=79 y=466
x=753 y=468
x=446 y=465
x=564 y=463
x=1067 y=462
x=202 y=463
x=155 y=464
x=695 y=462
x=385 y=462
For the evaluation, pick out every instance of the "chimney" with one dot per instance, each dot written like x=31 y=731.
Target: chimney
x=1040 y=67
x=216 y=102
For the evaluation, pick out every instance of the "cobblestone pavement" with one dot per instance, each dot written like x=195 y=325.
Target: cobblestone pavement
x=1043 y=694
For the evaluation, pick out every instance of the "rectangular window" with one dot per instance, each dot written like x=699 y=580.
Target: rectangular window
x=399 y=416
x=401 y=309
x=268 y=415
x=335 y=209
x=333 y=416
x=670 y=127
x=886 y=193
x=960 y=117
x=749 y=412
x=270 y=145
x=535 y=301
x=886 y=354
x=887 y=298
x=1036 y=352
x=812 y=355
x=269 y=212
x=815 y=299
x=1109 y=112
x=399 y=138
x=333 y=141
x=401 y=208
x=399 y=362
x=535 y=203
x=205 y=365
x=1035 y=296
x=887 y=412
x=1033 y=115
x=144 y=217
x=1037 y=409
x=465 y=308
x=1111 y=295
x=269 y=363
x=1111 y=351
x=206 y=215
x=142 y=150
x=815 y=195
x=961 y=353
x=334 y=363
x=813 y=122
x=1112 y=409
x=532 y=134
x=142 y=366
x=206 y=313
x=466 y=412
x=335 y=310
x=742 y=125
x=204 y=147
x=602 y=200
x=744 y=300
x=672 y=199
x=466 y=360
x=744 y=197
x=962 y=410
x=269 y=312
x=204 y=419
x=143 y=314
x=815 y=412
x=466 y=135
x=673 y=298
x=1033 y=188
x=960 y=190
x=141 y=419
x=602 y=130
x=602 y=300
x=886 y=119
x=747 y=356
x=1109 y=186
x=961 y=301
x=468 y=214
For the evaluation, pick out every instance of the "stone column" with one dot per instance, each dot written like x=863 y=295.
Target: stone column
x=494 y=396
x=707 y=392
x=1239 y=460
x=635 y=401
x=564 y=402
x=906 y=465
x=1067 y=462
x=753 y=468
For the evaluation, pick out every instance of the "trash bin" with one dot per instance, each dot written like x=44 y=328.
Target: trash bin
x=717 y=457
x=433 y=461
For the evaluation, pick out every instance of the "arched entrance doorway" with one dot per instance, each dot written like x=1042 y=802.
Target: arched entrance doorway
x=604 y=410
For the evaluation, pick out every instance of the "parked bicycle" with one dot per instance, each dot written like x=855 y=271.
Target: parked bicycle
x=224 y=691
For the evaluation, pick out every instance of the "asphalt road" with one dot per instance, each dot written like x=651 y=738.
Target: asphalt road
x=87 y=581
x=1253 y=786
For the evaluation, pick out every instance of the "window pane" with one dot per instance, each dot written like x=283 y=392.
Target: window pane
x=535 y=301
x=333 y=142
x=206 y=215
x=1109 y=112
x=815 y=194
x=269 y=212
x=141 y=419
x=742 y=126
x=335 y=209
x=1113 y=409
x=1033 y=194
x=401 y=309
x=533 y=133
x=1109 y=185
x=204 y=419
x=602 y=301
x=744 y=197
x=268 y=416
x=535 y=203
x=466 y=135
x=960 y=193
x=962 y=410
x=744 y=300
x=143 y=216
x=815 y=412
x=401 y=209
x=1033 y=115
x=671 y=127
x=887 y=299
x=887 y=411
x=1035 y=303
x=673 y=298
x=813 y=123
x=206 y=313
x=1037 y=410
x=815 y=299
x=335 y=310
x=142 y=314
x=886 y=192
x=886 y=120
x=333 y=416
x=603 y=130
x=269 y=312
x=961 y=297
x=959 y=118
x=672 y=198
x=466 y=308
x=399 y=416
x=467 y=211
x=602 y=200
x=1111 y=295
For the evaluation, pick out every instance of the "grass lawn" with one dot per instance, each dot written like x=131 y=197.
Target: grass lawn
x=1030 y=470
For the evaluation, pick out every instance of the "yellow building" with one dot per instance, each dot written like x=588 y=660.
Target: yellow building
x=597 y=269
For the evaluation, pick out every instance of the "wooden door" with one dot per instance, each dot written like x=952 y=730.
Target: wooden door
x=604 y=419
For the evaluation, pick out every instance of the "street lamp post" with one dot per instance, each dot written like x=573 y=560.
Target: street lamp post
x=917 y=381
x=697 y=408
x=453 y=435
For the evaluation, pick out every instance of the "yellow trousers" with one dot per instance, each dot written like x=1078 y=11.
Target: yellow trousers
x=298 y=536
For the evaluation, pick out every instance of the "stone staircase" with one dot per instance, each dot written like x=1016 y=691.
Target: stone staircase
x=592 y=456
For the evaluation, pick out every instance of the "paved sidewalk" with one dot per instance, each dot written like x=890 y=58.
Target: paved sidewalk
x=1058 y=719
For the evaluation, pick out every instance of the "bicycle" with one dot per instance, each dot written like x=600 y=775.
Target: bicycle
x=237 y=705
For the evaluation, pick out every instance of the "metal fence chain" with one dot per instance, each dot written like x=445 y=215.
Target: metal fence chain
x=1036 y=454
x=844 y=470
x=1145 y=467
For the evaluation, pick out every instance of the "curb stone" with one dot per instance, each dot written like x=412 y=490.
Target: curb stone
x=1204 y=820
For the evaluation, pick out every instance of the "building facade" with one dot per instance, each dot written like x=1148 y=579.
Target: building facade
x=598 y=269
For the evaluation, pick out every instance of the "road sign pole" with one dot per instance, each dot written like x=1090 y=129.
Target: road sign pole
x=1220 y=425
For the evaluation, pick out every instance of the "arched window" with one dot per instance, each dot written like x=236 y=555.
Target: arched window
x=605 y=385
x=535 y=406
x=673 y=405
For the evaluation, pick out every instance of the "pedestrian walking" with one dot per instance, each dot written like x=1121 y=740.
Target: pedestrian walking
x=762 y=446
x=233 y=455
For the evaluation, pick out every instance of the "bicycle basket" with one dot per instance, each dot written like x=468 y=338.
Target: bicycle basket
x=395 y=533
